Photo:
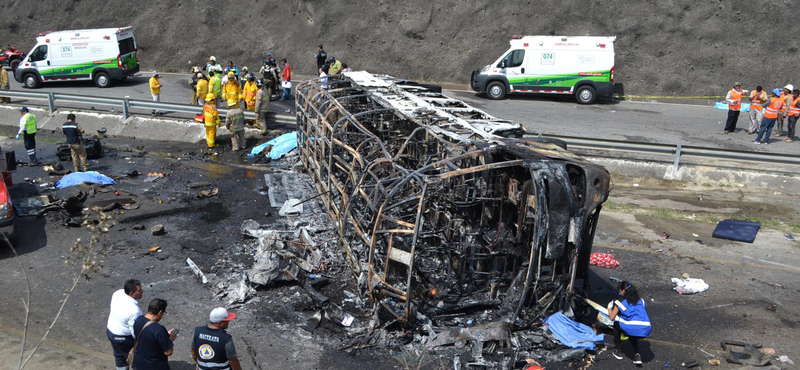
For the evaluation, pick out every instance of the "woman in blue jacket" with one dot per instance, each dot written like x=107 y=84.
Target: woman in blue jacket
x=630 y=318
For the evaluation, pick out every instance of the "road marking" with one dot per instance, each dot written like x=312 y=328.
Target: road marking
x=769 y=265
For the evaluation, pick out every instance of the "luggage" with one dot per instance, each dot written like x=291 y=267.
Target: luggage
x=94 y=149
x=200 y=118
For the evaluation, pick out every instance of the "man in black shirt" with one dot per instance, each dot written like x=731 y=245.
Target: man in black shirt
x=212 y=346
x=153 y=342
x=74 y=135
x=321 y=56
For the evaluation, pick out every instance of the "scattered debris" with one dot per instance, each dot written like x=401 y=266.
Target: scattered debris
x=77 y=178
x=690 y=364
x=197 y=270
x=280 y=146
x=689 y=285
x=207 y=193
x=737 y=230
x=604 y=260
x=292 y=207
x=572 y=334
x=748 y=355
x=788 y=237
x=158 y=230
x=714 y=362
x=768 y=351
x=665 y=236
x=138 y=227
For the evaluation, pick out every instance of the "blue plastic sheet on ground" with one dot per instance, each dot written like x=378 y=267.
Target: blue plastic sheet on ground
x=77 y=178
x=572 y=334
x=740 y=231
x=724 y=106
x=280 y=146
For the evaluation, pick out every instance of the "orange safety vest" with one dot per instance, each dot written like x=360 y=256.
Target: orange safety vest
x=775 y=106
x=735 y=95
x=756 y=100
x=793 y=110
x=787 y=100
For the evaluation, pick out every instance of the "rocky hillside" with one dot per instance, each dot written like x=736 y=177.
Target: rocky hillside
x=673 y=47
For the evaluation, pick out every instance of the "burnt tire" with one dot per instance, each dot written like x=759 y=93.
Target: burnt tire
x=102 y=80
x=496 y=90
x=30 y=81
x=585 y=94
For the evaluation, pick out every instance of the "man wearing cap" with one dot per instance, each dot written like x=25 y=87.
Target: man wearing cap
x=212 y=347
x=786 y=96
x=770 y=116
x=123 y=313
x=155 y=90
x=734 y=99
x=27 y=128
x=336 y=66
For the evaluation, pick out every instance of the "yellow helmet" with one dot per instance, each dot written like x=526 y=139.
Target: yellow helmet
x=210 y=97
x=231 y=74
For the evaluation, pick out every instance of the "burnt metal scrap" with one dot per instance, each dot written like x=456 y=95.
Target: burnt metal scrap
x=446 y=213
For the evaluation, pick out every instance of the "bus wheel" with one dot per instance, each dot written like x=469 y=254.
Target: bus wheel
x=101 y=80
x=585 y=94
x=496 y=90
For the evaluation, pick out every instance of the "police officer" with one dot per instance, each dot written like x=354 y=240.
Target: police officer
x=212 y=347
x=27 y=128
x=74 y=134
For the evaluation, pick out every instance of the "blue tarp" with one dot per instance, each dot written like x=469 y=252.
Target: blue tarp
x=572 y=334
x=724 y=106
x=280 y=146
x=77 y=178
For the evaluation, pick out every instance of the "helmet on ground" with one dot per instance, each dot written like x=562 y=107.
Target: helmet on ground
x=210 y=97
x=789 y=86
x=231 y=74
x=212 y=58
x=232 y=104
x=245 y=69
x=776 y=91
x=250 y=77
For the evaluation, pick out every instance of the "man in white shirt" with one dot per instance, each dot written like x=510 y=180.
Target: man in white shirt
x=124 y=311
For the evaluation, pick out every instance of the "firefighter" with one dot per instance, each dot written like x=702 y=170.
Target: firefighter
x=249 y=92
x=234 y=122
x=262 y=107
x=214 y=84
x=232 y=91
x=193 y=85
x=202 y=89
x=211 y=118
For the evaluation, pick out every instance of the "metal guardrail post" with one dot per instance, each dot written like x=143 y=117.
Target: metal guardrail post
x=51 y=102
x=125 y=105
x=678 y=157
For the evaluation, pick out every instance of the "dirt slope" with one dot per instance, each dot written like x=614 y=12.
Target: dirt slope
x=673 y=47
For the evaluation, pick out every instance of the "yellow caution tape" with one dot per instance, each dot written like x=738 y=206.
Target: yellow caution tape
x=669 y=97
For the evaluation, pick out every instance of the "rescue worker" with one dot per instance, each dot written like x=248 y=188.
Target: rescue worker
x=794 y=114
x=630 y=318
x=193 y=85
x=249 y=92
x=214 y=85
x=27 y=127
x=270 y=61
x=786 y=96
x=336 y=67
x=234 y=122
x=212 y=347
x=734 y=99
x=232 y=91
x=321 y=56
x=771 y=112
x=211 y=119
x=231 y=68
x=4 y=85
x=155 y=90
x=271 y=80
x=213 y=66
x=202 y=89
x=757 y=99
x=74 y=134
x=262 y=108
x=243 y=75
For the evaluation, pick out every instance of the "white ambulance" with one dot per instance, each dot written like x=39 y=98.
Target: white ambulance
x=578 y=65
x=99 y=55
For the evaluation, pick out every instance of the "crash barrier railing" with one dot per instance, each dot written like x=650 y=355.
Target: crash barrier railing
x=127 y=103
x=677 y=150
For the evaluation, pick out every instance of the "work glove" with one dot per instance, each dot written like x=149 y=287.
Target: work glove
x=17 y=137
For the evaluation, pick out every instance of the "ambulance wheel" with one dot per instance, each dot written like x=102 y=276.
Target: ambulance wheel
x=585 y=94
x=30 y=81
x=496 y=90
x=102 y=80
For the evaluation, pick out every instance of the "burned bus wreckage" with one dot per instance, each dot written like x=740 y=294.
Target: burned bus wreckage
x=447 y=216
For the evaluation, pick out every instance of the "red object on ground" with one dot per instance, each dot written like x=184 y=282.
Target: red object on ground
x=604 y=260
